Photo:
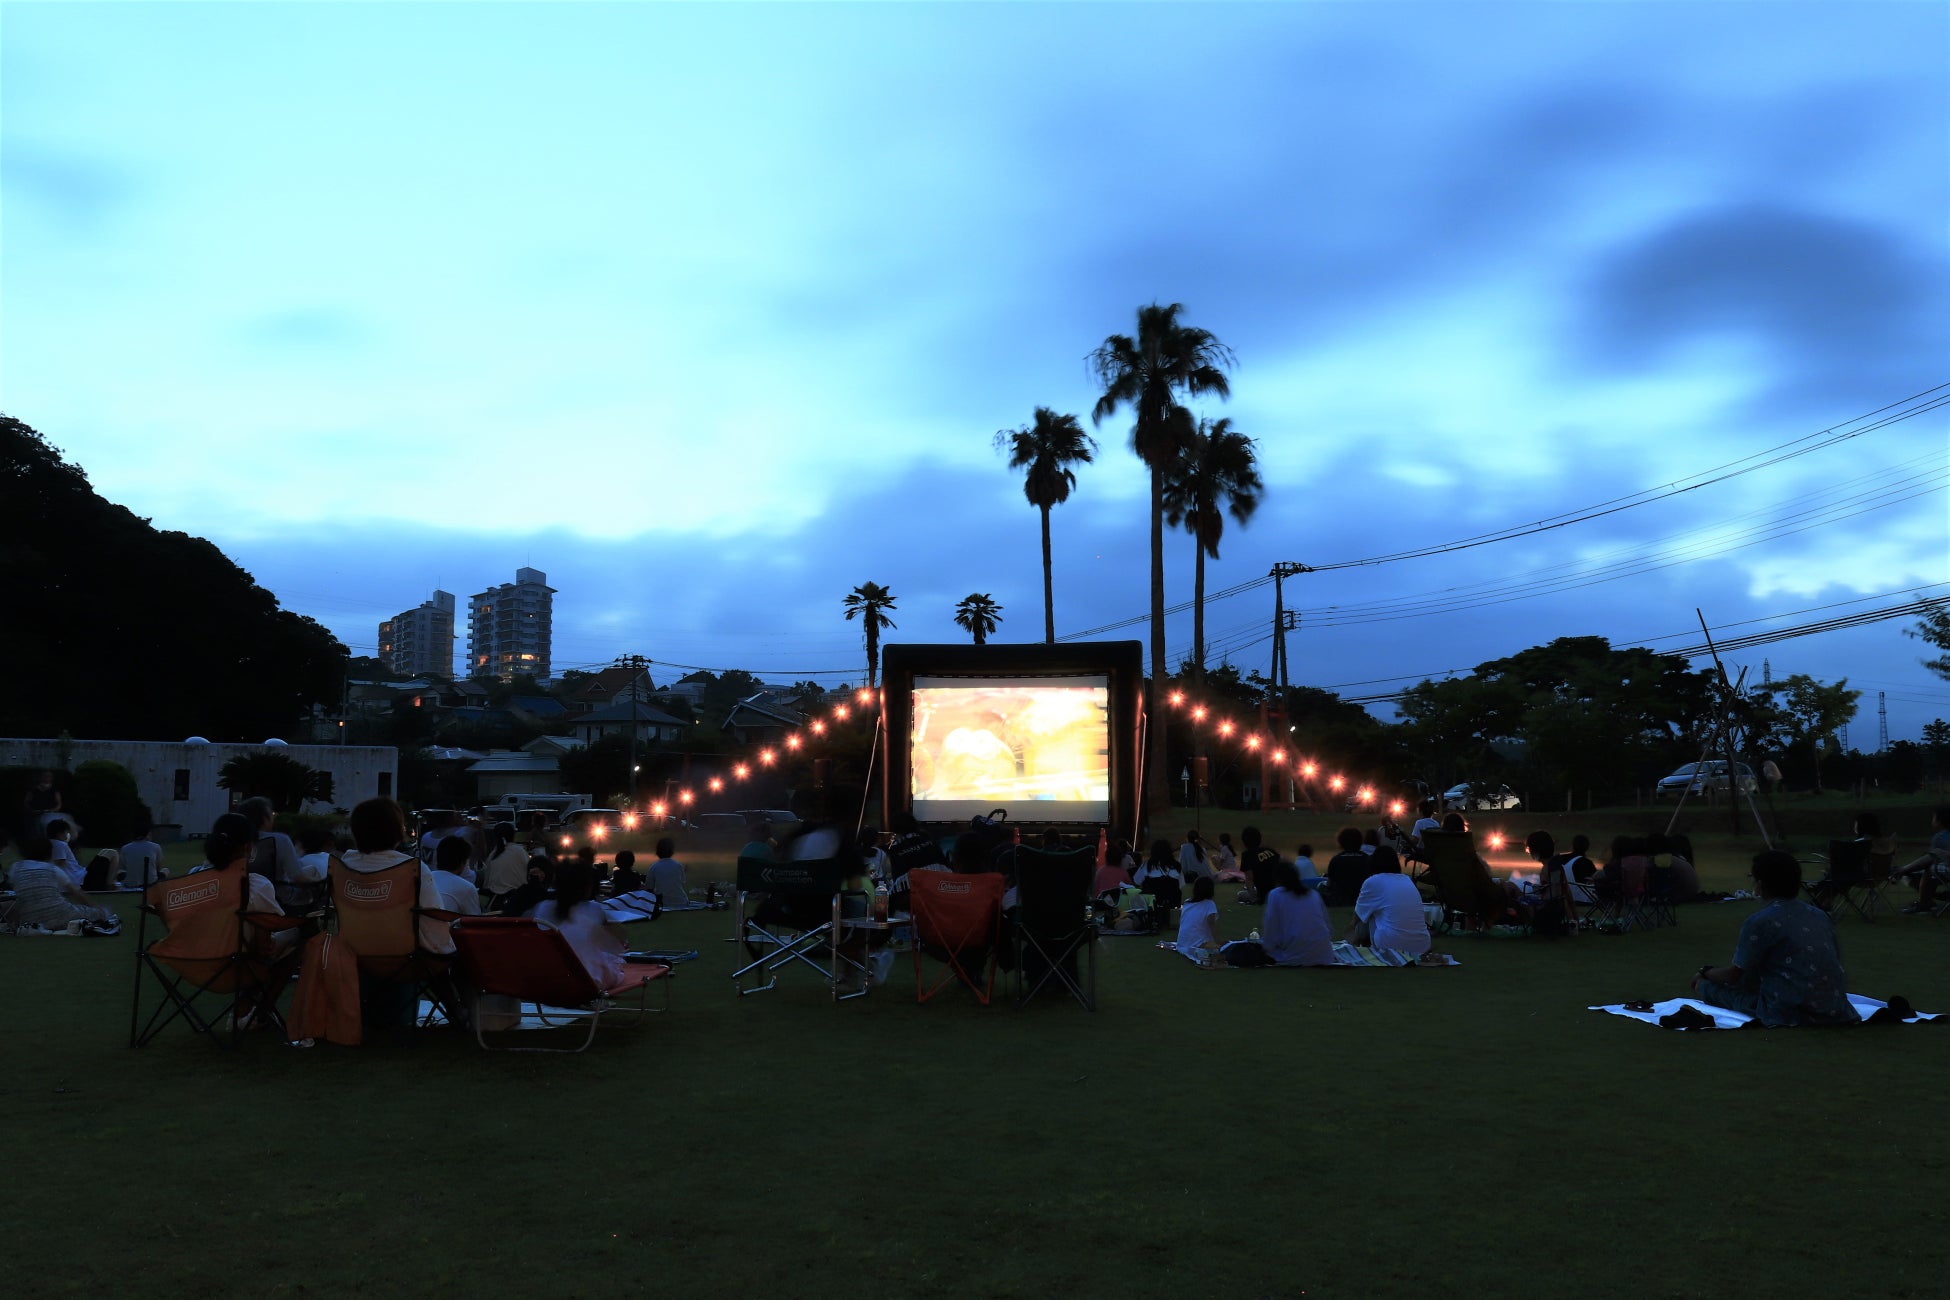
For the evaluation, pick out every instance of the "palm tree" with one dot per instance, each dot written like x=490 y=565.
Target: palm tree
x=1046 y=447
x=870 y=602
x=1167 y=360
x=978 y=615
x=1218 y=473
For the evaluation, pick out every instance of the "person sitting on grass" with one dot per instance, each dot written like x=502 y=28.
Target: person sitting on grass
x=48 y=897
x=623 y=876
x=1198 y=924
x=666 y=879
x=1225 y=862
x=1261 y=865
x=1191 y=856
x=59 y=832
x=1557 y=912
x=1349 y=869
x=1685 y=872
x=1933 y=868
x=1161 y=878
x=1295 y=930
x=1116 y=871
x=1787 y=965
x=142 y=859
x=1388 y=911
x=572 y=909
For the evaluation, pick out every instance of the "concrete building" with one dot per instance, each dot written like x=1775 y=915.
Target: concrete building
x=508 y=628
x=420 y=640
x=178 y=780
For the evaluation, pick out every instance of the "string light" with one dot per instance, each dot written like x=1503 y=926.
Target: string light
x=741 y=771
x=1308 y=770
x=684 y=796
x=792 y=742
x=1225 y=728
x=1366 y=794
x=818 y=727
x=717 y=784
x=839 y=712
x=1198 y=714
x=766 y=757
x=1252 y=742
x=657 y=809
x=1177 y=699
x=1336 y=784
x=1395 y=809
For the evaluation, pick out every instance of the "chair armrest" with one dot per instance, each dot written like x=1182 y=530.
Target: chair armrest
x=438 y=914
x=274 y=920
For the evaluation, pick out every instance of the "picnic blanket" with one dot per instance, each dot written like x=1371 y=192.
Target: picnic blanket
x=1724 y=1019
x=1345 y=954
x=642 y=905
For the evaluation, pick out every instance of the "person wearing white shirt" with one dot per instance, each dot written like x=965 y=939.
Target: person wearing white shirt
x=1388 y=913
x=63 y=857
x=572 y=910
x=880 y=867
x=1198 y=923
x=142 y=860
x=378 y=826
x=449 y=876
x=1426 y=822
x=1191 y=856
x=1295 y=930
x=506 y=869
x=666 y=876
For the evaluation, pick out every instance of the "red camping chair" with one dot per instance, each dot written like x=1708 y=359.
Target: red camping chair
x=212 y=944
x=957 y=920
x=521 y=958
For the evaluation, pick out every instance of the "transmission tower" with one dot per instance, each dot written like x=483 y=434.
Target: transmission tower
x=1882 y=721
x=1766 y=673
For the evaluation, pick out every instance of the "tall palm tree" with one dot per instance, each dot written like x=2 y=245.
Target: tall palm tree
x=870 y=602
x=1217 y=474
x=1046 y=447
x=978 y=615
x=1150 y=373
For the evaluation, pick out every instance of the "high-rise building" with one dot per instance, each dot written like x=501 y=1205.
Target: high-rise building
x=508 y=628
x=420 y=641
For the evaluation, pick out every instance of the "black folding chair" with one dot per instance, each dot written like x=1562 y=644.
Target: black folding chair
x=1054 y=924
x=1848 y=882
x=797 y=921
x=1659 y=904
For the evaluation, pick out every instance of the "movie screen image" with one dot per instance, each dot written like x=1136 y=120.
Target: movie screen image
x=1038 y=746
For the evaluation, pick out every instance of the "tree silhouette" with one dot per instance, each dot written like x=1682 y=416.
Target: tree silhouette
x=1217 y=474
x=978 y=615
x=1167 y=360
x=1045 y=448
x=870 y=602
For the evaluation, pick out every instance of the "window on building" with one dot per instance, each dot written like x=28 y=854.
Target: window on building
x=182 y=788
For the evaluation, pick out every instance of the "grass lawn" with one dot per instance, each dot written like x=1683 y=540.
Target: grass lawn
x=1471 y=1131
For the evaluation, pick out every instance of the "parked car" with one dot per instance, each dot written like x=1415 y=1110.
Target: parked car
x=1701 y=778
x=1479 y=796
x=595 y=821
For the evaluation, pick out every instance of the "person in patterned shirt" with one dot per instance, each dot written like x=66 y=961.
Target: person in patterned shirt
x=1787 y=965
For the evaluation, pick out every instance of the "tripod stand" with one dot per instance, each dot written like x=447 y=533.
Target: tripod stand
x=1724 y=737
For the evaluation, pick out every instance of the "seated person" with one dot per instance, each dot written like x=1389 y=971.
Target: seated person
x=305 y=889
x=879 y=865
x=506 y=868
x=911 y=848
x=623 y=876
x=378 y=827
x=1685 y=872
x=47 y=896
x=758 y=841
x=1557 y=910
x=572 y=909
x=666 y=879
x=59 y=831
x=1191 y=856
x=1198 y=924
x=1349 y=869
x=1126 y=909
x=1388 y=910
x=142 y=859
x=1295 y=929
x=1787 y=966
x=1425 y=822
x=1160 y=877
x=1260 y=863
x=1490 y=900
x=1112 y=876
x=457 y=892
x=102 y=870
x=1932 y=869
x=1225 y=862
x=537 y=882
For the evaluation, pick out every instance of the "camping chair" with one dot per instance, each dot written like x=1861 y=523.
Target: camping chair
x=378 y=915
x=521 y=958
x=802 y=928
x=1054 y=924
x=956 y=918
x=1658 y=903
x=1847 y=881
x=1468 y=895
x=210 y=946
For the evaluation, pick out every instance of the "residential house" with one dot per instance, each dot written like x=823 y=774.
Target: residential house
x=761 y=719
x=650 y=724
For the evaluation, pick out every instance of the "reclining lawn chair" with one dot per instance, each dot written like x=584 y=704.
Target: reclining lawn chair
x=1054 y=925
x=798 y=920
x=519 y=957
x=1849 y=881
x=1469 y=896
x=958 y=922
x=378 y=915
x=212 y=945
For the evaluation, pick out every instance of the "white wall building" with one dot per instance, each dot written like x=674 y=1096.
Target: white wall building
x=509 y=628
x=178 y=779
x=420 y=640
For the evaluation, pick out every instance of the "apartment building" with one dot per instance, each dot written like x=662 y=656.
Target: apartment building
x=420 y=641
x=508 y=628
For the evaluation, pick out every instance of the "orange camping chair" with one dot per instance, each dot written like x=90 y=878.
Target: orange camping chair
x=956 y=918
x=521 y=958
x=211 y=945
x=378 y=916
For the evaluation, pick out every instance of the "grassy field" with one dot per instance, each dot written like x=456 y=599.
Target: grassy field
x=1470 y=1131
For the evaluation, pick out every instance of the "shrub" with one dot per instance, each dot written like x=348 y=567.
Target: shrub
x=106 y=803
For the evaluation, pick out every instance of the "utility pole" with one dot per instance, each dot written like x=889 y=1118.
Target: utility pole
x=642 y=666
x=1282 y=621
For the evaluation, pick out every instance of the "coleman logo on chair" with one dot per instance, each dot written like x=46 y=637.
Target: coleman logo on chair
x=952 y=887
x=194 y=894
x=377 y=893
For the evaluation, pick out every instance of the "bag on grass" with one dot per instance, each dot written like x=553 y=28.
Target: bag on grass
x=326 y=1003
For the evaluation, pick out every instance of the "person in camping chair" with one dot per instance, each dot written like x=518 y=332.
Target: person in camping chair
x=1787 y=966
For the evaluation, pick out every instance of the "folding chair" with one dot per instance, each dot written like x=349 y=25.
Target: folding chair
x=521 y=958
x=1657 y=904
x=799 y=920
x=956 y=917
x=208 y=948
x=1054 y=924
x=1468 y=895
x=1847 y=881
x=378 y=915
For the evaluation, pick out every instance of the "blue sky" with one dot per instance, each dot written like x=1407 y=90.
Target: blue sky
x=712 y=311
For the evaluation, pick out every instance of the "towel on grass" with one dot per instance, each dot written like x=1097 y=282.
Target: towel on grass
x=1345 y=954
x=1725 y=1019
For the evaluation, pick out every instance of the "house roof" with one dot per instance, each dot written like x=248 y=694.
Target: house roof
x=649 y=713
x=539 y=706
x=550 y=746
x=768 y=708
x=514 y=760
x=607 y=682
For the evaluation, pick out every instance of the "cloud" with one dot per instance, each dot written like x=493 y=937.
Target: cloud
x=307 y=328
x=78 y=191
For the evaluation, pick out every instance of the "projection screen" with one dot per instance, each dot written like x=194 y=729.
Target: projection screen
x=1036 y=745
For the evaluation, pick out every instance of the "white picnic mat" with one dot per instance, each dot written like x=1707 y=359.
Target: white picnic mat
x=1724 y=1019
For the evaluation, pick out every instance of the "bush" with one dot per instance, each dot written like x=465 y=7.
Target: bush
x=105 y=802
